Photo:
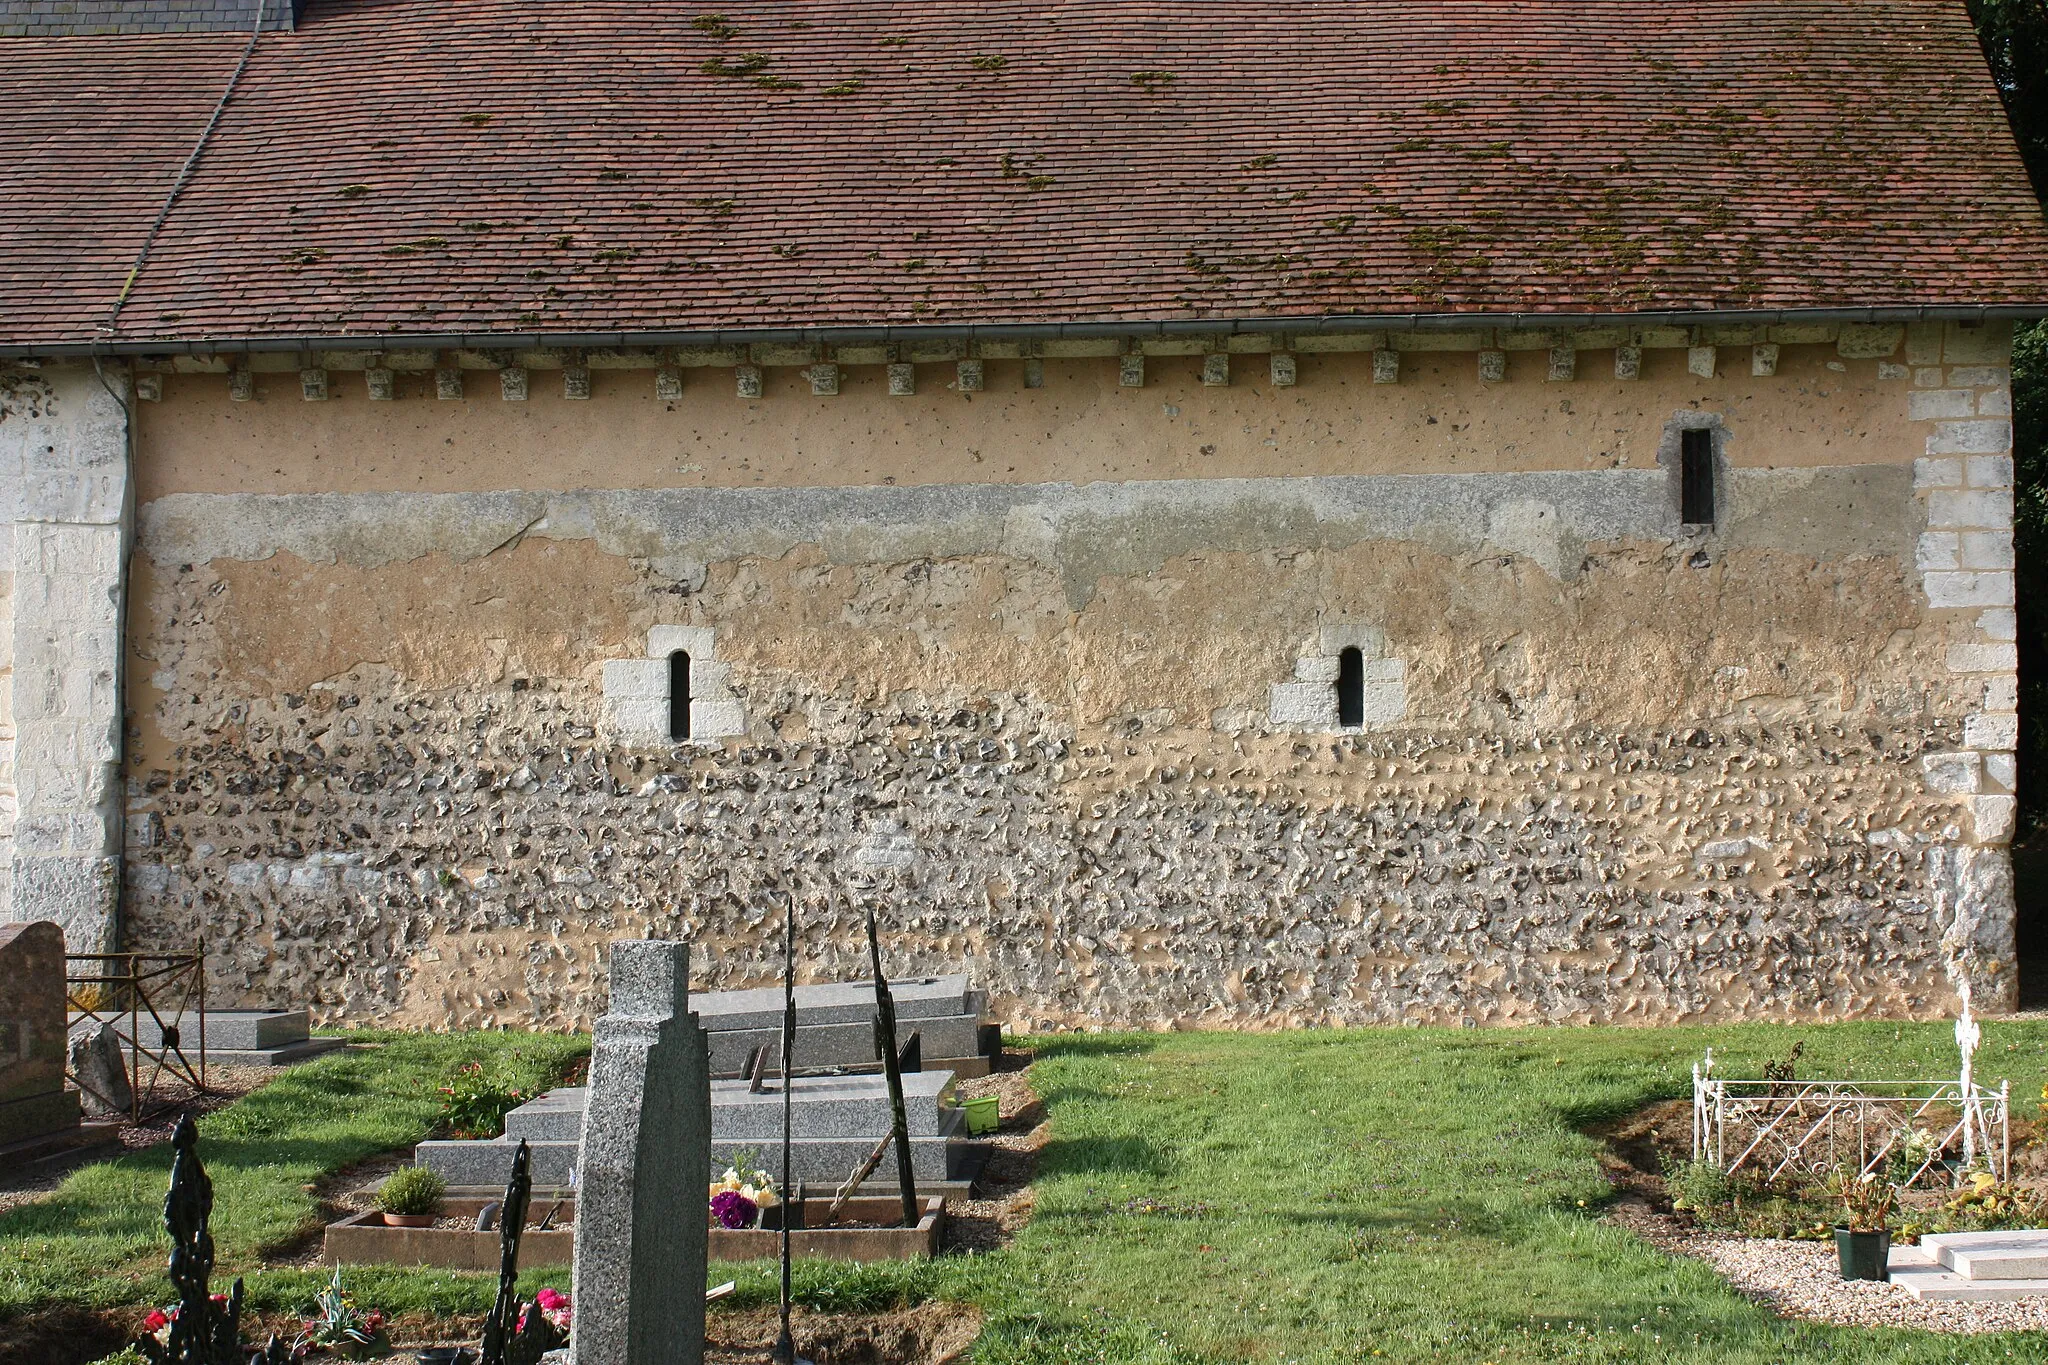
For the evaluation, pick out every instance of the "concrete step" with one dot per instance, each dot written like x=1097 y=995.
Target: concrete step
x=847 y=1044
x=1919 y=1271
x=2020 y=1254
x=828 y=1160
x=844 y=1002
x=826 y=1107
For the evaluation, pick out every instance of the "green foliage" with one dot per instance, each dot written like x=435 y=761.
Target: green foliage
x=127 y=1355
x=341 y=1325
x=2015 y=38
x=415 y=1190
x=2030 y=548
x=475 y=1100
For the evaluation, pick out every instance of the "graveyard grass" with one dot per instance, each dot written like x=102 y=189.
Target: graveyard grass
x=1415 y=1194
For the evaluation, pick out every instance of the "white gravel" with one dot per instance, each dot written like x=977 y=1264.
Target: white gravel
x=1803 y=1280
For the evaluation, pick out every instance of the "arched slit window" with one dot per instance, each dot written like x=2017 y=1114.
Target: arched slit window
x=679 y=695
x=1350 y=686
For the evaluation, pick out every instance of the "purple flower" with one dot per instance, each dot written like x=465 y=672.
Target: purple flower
x=733 y=1209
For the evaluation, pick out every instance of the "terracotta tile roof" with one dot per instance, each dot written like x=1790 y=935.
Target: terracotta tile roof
x=475 y=166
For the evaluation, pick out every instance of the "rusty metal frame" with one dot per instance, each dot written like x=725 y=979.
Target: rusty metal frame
x=120 y=989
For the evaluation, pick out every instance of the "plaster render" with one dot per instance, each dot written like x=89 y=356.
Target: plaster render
x=1032 y=640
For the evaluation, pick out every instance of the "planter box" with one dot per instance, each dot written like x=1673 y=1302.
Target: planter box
x=365 y=1240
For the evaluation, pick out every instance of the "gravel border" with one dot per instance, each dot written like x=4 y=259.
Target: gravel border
x=1803 y=1280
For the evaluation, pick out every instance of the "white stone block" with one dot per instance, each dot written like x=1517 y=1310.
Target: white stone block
x=1130 y=371
x=1987 y=550
x=2002 y=769
x=1980 y=376
x=448 y=384
x=1385 y=702
x=1924 y=405
x=1937 y=473
x=641 y=719
x=746 y=381
x=1992 y=818
x=902 y=380
x=716 y=718
x=1216 y=370
x=1988 y=471
x=1493 y=367
x=1994 y=403
x=1999 y=623
x=1628 y=362
x=1993 y=730
x=1763 y=360
x=2002 y=693
x=695 y=641
x=1978 y=344
x=1699 y=361
x=1984 y=437
x=512 y=384
x=1952 y=774
x=1887 y=370
x=1386 y=366
x=1316 y=669
x=968 y=375
x=1927 y=379
x=636 y=680
x=1968 y=589
x=1937 y=550
x=1299 y=706
x=1281 y=370
x=1564 y=364
x=313 y=385
x=1386 y=670
x=709 y=678
x=824 y=380
x=1983 y=658
x=1976 y=510
x=668 y=385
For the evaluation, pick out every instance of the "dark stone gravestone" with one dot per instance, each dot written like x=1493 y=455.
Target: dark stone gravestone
x=33 y=1101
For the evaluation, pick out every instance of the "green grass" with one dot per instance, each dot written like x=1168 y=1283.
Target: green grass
x=1321 y=1197
x=99 y=1240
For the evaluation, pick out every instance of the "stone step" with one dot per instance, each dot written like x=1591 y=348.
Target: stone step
x=828 y=1160
x=1919 y=1271
x=2020 y=1254
x=847 y=1044
x=843 y=1002
x=826 y=1107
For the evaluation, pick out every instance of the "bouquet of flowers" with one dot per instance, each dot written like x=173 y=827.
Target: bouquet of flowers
x=553 y=1305
x=158 y=1323
x=739 y=1197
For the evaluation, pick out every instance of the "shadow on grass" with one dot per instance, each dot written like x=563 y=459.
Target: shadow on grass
x=1045 y=1045
x=1103 y=1156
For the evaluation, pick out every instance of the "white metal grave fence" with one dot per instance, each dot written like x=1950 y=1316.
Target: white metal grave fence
x=1811 y=1128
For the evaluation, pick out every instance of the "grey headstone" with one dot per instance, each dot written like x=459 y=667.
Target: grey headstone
x=102 y=1071
x=646 y=1142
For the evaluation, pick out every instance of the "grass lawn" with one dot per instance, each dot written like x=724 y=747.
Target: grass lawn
x=1328 y=1196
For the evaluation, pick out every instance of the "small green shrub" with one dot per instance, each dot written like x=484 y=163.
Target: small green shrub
x=127 y=1355
x=476 y=1099
x=412 y=1190
x=1698 y=1185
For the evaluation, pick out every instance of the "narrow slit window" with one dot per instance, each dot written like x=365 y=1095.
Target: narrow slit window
x=1696 y=478
x=679 y=695
x=1350 y=687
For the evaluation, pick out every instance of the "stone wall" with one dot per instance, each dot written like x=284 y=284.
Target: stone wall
x=63 y=462
x=1630 y=771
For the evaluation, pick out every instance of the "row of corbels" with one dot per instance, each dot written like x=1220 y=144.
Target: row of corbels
x=969 y=375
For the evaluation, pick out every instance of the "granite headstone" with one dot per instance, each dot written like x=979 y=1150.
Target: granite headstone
x=33 y=1100
x=641 y=1218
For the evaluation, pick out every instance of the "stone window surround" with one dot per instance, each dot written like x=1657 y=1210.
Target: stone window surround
x=636 y=691
x=1309 y=700
x=1670 y=459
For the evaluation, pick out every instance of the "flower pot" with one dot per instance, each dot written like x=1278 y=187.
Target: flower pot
x=410 y=1220
x=445 y=1355
x=1864 y=1255
x=984 y=1114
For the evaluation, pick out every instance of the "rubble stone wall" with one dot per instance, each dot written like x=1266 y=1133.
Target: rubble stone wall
x=1633 y=771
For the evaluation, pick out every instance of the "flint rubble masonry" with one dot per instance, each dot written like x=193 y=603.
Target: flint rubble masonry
x=64 y=475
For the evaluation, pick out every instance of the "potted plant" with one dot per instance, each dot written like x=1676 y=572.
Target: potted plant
x=411 y=1198
x=1863 y=1239
x=745 y=1196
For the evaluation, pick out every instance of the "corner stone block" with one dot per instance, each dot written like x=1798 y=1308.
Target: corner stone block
x=641 y=719
x=1992 y=731
x=1951 y=774
x=1946 y=590
x=1385 y=702
x=1700 y=360
x=1992 y=818
x=2002 y=769
x=1984 y=344
x=717 y=718
x=1973 y=510
x=1999 y=623
x=1970 y=438
x=1938 y=550
x=1926 y=405
x=1988 y=471
x=1386 y=366
x=1987 y=550
x=1937 y=473
x=1983 y=658
x=1316 y=669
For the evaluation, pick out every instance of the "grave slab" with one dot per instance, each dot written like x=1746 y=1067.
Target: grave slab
x=840 y=1002
x=847 y=1044
x=2020 y=1254
x=233 y=1037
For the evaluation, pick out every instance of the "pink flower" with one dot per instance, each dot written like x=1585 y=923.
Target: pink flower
x=155 y=1321
x=550 y=1299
